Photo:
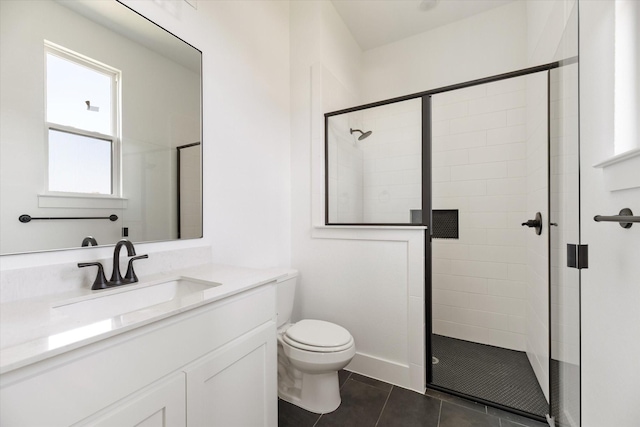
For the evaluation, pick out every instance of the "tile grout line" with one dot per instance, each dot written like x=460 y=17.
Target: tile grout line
x=346 y=379
x=384 y=406
x=459 y=401
x=372 y=386
x=317 y=421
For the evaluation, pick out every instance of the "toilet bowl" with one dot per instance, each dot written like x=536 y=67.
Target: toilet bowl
x=310 y=354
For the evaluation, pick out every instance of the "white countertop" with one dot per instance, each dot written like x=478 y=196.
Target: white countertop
x=33 y=330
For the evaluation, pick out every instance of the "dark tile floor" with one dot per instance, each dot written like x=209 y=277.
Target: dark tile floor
x=369 y=402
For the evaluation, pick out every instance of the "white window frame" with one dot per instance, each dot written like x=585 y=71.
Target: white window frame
x=114 y=137
x=626 y=67
x=620 y=168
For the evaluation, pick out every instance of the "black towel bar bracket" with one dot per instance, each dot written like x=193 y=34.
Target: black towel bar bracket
x=27 y=218
x=625 y=218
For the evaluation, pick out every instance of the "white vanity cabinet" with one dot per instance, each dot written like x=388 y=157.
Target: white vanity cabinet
x=159 y=405
x=214 y=365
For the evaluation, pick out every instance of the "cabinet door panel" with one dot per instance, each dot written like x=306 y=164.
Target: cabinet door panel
x=236 y=385
x=161 y=405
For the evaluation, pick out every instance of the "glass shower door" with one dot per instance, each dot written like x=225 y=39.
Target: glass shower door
x=489 y=279
x=565 y=220
x=564 y=203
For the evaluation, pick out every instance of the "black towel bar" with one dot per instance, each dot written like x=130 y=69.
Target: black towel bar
x=27 y=218
x=625 y=218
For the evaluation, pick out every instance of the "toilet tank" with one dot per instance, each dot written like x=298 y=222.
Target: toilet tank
x=285 y=294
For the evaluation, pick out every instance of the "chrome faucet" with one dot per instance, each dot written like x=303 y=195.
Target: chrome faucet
x=116 y=277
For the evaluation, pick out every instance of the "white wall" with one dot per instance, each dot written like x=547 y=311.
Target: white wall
x=245 y=132
x=246 y=125
x=483 y=45
x=610 y=288
x=546 y=24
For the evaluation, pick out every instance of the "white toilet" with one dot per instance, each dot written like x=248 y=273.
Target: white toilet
x=310 y=354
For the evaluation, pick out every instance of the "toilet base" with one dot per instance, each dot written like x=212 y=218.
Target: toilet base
x=309 y=379
x=318 y=393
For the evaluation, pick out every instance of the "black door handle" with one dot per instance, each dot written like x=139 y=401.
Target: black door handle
x=535 y=223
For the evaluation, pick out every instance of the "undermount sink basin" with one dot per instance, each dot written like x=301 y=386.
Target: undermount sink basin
x=135 y=298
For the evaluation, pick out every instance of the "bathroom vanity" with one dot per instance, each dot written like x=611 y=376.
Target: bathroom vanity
x=195 y=347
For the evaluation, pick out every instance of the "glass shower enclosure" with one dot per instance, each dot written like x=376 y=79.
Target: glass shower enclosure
x=490 y=169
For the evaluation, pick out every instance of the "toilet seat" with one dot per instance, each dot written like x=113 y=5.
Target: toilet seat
x=318 y=336
x=313 y=349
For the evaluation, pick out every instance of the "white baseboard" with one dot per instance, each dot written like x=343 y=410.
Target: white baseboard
x=385 y=370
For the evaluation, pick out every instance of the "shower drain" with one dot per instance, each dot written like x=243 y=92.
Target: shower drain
x=434 y=360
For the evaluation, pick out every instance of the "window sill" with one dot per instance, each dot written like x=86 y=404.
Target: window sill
x=621 y=171
x=80 y=202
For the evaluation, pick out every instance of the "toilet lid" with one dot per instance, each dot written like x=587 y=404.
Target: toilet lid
x=318 y=333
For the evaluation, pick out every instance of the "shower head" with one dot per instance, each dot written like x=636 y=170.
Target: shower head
x=364 y=134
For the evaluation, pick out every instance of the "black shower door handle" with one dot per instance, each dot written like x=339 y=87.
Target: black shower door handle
x=535 y=223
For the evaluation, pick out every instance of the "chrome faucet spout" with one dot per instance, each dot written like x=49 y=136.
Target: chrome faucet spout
x=116 y=277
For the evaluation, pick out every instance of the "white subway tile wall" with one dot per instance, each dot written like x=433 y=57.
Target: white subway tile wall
x=480 y=163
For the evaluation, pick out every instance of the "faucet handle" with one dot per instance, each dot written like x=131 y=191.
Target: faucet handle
x=101 y=281
x=131 y=277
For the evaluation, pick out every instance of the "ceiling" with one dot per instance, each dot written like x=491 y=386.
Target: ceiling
x=375 y=23
x=128 y=23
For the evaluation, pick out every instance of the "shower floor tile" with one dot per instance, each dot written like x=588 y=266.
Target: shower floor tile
x=489 y=373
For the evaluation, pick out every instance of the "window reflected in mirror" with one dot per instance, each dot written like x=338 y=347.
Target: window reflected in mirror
x=81 y=111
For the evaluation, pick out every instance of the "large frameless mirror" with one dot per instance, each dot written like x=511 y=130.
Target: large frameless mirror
x=101 y=128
